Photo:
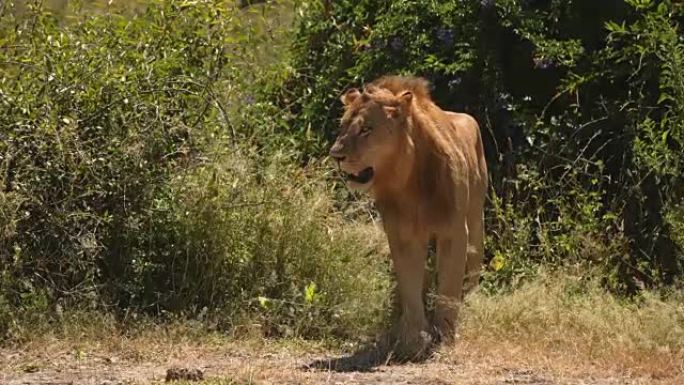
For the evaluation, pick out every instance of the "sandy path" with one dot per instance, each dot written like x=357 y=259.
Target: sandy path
x=235 y=363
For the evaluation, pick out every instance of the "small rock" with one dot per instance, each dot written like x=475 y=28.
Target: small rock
x=112 y=360
x=31 y=368
x=177 y=374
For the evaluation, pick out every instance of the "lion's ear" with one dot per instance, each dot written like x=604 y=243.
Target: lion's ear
x=370 y=88
x=406 y=97
x=348 y=97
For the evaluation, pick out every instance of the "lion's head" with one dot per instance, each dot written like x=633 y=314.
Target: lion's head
x=372 y=134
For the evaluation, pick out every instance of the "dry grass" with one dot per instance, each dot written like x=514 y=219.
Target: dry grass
x=571 y=324
x=558 y=329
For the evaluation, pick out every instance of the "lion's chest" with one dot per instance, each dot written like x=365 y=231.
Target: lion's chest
x=426 y=216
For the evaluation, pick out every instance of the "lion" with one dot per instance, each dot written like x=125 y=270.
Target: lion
x=426 y=172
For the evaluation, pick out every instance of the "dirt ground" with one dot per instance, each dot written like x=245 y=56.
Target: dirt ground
x=135 y=362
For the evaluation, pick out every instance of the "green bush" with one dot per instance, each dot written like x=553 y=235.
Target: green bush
x=163 y=160
x=259 y=238
x=579 y=104
x=96 y=115
x=128 y=183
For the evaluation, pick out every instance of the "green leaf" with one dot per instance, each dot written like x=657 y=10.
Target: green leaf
x=264 y=302
x=615 y=27
x=663 y=9
x=498 y=262
x=310 y=292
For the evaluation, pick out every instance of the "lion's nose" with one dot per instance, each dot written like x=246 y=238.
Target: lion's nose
x=336 y=152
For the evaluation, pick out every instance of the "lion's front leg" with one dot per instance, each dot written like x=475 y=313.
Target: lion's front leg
x=411 y=331
x=451 y=265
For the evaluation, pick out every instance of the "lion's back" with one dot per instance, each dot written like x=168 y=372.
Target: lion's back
x=467 y=137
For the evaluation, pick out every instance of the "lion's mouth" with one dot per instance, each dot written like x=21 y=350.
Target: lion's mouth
x=362 y=177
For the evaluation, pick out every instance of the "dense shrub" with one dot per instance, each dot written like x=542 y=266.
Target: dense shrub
x=579 y=104
x=259 y=237
x=95 y=117
x=163 y=159
x=127 y=183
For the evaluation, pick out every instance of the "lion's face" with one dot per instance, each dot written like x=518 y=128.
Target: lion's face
x=372 y=128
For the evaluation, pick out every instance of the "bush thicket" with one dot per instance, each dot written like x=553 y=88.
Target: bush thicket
x=131 y=180
x=165 y=159
x=580 y=104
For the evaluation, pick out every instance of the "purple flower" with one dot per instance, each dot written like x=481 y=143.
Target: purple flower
x=396 y=44
x=378 y=43
x=454 y=83
x=542 y=63
x=445 y=35
x=487 y=3
x=502 y=101
x=502 y=97
x=249 y=99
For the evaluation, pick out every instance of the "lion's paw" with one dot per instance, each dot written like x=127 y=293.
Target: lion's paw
x=412 y=345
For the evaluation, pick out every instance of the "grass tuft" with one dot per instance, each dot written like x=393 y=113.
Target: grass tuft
x=564 y=315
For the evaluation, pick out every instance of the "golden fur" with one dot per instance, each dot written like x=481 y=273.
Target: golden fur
x=425 y=169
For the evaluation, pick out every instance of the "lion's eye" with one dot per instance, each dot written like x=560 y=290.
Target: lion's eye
x=366 y=129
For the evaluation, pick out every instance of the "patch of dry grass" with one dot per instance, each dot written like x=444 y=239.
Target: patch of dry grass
x=571 y=321
x=558 y=327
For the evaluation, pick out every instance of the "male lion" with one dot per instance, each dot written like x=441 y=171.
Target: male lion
x=425 y=169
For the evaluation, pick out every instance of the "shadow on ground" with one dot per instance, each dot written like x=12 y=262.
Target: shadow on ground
x=364 y=360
